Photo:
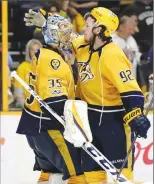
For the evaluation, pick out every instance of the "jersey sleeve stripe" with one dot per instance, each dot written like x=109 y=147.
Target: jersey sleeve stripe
x=132 y=99
x=131 y=93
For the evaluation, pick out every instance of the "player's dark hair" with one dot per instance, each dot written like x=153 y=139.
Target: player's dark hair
x=87 y=15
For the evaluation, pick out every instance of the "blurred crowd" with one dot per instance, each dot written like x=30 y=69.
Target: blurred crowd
x=134 y=35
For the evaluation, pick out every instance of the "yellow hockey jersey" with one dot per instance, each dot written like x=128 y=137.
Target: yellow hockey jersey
x=105 y=77
x=23 y=71
x=51 y=78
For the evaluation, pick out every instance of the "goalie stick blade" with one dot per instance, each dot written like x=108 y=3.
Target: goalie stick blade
x=105 y=163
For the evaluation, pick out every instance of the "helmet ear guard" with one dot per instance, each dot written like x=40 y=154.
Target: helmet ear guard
x=103 y=32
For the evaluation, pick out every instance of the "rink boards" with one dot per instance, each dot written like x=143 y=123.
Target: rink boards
x=17 y=158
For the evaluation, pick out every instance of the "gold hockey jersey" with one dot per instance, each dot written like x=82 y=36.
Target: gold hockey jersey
x=50 y=77
x=23 y=71
x=105 y=77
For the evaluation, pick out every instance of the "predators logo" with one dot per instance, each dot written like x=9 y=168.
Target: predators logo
x=55 y=63
x=85 y=72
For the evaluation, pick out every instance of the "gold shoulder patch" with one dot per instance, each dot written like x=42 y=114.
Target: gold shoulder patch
x=55 y=63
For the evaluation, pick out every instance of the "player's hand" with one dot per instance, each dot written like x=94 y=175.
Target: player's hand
x=140 y=126
x=33 y=18
x=138 y=122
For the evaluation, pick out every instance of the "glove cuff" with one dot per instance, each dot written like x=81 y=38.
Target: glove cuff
x=44 y=13
x=132 y=115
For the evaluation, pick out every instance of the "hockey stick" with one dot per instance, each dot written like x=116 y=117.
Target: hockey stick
x=88 y=147
x=133 y=142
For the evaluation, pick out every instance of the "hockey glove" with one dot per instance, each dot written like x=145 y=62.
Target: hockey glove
x=138 y=122
x=33 y=18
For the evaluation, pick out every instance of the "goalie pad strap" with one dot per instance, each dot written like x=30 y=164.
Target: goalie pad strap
x=81 y=130
x=78 y=121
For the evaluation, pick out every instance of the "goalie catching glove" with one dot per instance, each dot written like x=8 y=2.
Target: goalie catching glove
x=138 y=122
x=38 y=19
x=77 y=129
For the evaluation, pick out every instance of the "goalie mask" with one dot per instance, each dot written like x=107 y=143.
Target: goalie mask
x=57 y=32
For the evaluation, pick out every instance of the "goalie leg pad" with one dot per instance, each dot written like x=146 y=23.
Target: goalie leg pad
x=77 y=129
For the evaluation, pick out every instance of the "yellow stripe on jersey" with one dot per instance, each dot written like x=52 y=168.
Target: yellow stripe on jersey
x=62 y=147
x=128 y=144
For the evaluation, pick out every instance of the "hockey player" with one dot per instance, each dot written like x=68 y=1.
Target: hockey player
x=52 y=80
x=115 y=101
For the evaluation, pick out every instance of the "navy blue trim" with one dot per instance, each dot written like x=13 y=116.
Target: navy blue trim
x=131 y=93
x=81 y=46
x=106 y=107
x=131 y=101
x=77 y=98
x=37 y=54
x=100 y=52
x=58 y=107
x=101 y=47
x=57 y=98
x=33 y=112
